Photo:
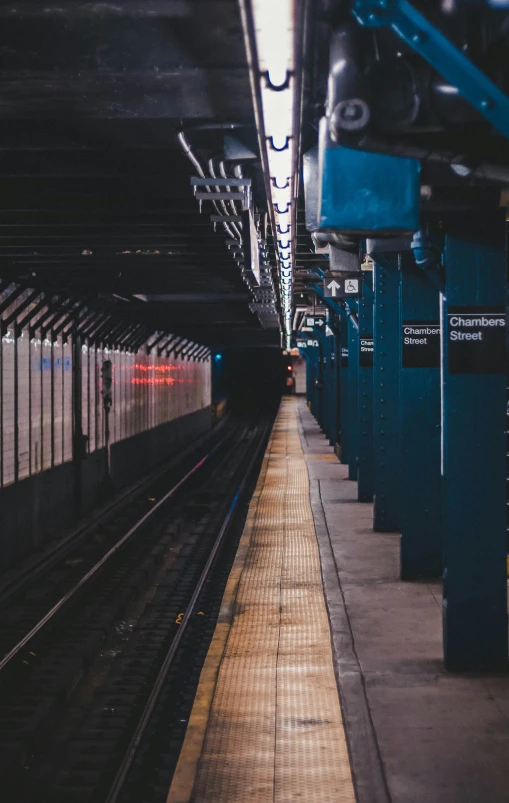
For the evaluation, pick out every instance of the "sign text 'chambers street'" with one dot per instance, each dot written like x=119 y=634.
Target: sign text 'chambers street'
x=420 y=344
x=366 y=351
x=476 y=340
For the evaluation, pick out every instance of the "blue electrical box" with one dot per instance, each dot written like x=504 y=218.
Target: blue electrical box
x=366 y=193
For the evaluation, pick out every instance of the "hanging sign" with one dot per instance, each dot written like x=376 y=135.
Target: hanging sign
x=476 y=340
x=336 y=286
x=310 y=322
x=366 y=349
x=420 y=344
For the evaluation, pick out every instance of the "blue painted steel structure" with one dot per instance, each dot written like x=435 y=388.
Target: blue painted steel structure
x=421 y=487
x=421 y=35
x=354 y=189
x=365 y=460
x=474 y=450
x=331 y=380
x=344 y=438
x=353 y=399
x=423 y=430
x=386 y=367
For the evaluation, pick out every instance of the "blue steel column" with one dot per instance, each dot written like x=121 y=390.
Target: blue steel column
x=474 y=410
x=343 y=390
x=328 y=386
x=311 y=355
x=309 y=376
x=365 y=461
x=353 y=399
x=336 y=411
x=386 y=365
x=332 y=384
x=421 y=486
x=319 y=392
x=316 y=374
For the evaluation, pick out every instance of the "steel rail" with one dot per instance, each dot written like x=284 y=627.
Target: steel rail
x=146 y=715
x=57 y=551
x=63 y=601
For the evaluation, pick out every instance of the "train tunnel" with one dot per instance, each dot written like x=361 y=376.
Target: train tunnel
x=253 y=401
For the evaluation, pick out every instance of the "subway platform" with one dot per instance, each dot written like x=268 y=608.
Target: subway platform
x=324 y=680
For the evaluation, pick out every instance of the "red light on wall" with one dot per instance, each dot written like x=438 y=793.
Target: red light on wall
x=159 y=380
x=161 y=369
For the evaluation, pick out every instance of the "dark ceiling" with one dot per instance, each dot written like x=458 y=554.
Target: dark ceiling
x=95 y=190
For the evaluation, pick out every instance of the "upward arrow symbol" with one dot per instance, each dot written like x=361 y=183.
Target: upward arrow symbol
x=333 y=286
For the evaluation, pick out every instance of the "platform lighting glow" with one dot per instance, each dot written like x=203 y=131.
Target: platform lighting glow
x=274 y=27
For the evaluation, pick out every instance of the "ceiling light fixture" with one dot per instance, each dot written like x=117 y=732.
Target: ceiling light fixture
x=271 y=28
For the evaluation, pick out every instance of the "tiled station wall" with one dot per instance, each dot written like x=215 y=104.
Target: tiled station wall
x=159 y=403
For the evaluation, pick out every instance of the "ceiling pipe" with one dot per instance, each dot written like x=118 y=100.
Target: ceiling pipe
x=184 y=144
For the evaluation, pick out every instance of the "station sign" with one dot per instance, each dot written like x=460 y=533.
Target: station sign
x=339 y=286
x=344 y=357
x=420 y=344
x=366 y=350
x=476 y=340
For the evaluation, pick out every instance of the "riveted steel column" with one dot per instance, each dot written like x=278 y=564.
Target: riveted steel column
x=334 y=363
x=330 y=389
x=474 y=460
x=365 y=470
x=353 y=400
x=316 y=389
x=343 y=390
x=309 y=377
x=319 y=393
x=421 y=491
x=326 y=380
x=386 y=451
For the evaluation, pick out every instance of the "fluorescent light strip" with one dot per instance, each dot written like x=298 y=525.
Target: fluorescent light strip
x=274 y=27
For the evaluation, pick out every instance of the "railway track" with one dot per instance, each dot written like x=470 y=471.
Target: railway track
x=81 y=688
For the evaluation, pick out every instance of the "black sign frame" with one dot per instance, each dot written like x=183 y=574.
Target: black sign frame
x=476 y=340
x=424 y=349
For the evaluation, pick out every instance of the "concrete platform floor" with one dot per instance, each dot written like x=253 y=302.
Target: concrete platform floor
x=417 y=734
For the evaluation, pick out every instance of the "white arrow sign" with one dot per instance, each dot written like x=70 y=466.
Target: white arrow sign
x=341 y=286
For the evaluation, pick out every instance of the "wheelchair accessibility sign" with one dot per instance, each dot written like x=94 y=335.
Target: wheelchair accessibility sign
x=336 y=286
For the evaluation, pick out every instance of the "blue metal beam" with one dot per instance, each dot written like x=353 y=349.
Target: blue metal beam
x=353 y=399
x=474 y=444
x=421 y=35
x=421 y=485
x=335 y=306
x=343 y=390
x=386 y=374
x=365 y=448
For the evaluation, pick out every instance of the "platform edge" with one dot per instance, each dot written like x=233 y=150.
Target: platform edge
x=181 y=789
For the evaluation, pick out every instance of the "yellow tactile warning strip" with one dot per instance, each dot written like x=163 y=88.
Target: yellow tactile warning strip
x=274 y=730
